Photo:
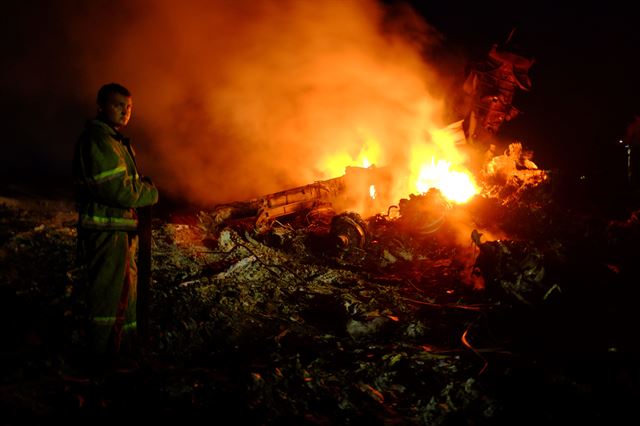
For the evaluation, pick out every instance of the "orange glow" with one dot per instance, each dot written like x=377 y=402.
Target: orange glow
x=335 y=164
x=267 y=109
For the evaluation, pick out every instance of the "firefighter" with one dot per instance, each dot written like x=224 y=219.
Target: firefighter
x=109 y=189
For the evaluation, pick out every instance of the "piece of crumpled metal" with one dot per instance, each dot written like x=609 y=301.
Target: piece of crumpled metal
x=513 y=268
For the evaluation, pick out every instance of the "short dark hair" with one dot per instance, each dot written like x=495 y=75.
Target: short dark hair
x=109 y=88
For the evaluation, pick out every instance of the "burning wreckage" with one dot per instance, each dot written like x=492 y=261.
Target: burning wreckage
x=326 y=203
x=323 y=210
x=330 y=208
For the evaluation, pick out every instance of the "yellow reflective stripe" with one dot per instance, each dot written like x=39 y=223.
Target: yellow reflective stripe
x=104 y=220
x=111 y=320
x=109 y=173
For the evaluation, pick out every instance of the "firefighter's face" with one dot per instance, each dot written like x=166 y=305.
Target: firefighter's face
x=116 y=110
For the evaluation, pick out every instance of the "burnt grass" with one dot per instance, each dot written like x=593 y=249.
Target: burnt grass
x=539 y=327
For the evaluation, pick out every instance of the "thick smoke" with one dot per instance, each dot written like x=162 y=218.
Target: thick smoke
x=235 y=99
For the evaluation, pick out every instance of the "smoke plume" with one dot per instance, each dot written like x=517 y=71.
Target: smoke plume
x=235 y=99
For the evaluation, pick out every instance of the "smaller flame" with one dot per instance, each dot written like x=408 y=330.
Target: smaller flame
x=455 y=186
x=372 y=192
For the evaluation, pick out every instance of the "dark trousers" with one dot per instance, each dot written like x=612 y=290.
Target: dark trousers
x=111 y=292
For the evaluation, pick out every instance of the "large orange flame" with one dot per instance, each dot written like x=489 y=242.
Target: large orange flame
x=456 y=186
x=433 y=163
x=448 y=173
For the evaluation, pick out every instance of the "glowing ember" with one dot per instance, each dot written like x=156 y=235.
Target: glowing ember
x=455 y=186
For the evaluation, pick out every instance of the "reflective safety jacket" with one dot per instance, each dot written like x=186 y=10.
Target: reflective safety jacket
x=108 y=187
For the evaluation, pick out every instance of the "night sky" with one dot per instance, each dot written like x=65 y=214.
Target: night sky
x=585 y=90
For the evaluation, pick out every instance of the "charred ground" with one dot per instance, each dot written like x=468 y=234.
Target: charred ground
x=279 y=328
